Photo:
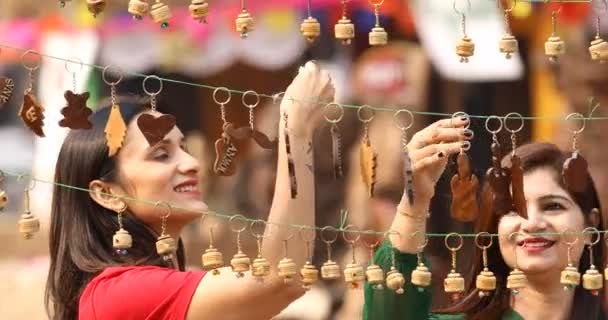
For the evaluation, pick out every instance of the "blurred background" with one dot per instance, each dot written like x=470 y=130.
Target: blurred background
x=418 y=69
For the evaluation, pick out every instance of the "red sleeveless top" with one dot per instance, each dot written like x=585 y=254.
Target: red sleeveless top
x=138 y=293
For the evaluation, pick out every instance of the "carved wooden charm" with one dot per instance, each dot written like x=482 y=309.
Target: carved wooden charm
x=244 y=133
x=575 y=172
x=336 y=147
x=367 y=160
x=76 y=114
x=499 y=180
x=464 y=191
x=32 y=114
x=7 y=85
x=225 y=155
x=517 y=185
x=115 y=130
x=408 y=174
x=154 y=128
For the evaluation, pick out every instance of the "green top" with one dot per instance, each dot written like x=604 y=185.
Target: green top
x=413 y=304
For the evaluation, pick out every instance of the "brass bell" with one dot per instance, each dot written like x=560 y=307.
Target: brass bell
x=375 y=276
x=244 y=24
x=485 y=282
x=465 y=48
x=199 y=10
x=287 y=269
x=592 y=280
x=3 y=200
x=260 y=268
x=570 y=278
x=165 y=246
x=138 y=8
x=311 y=29
x=309 y=274
x=378 y=37
x=554 y=47
x=599 y=50
x=161 y=14
x=330 y=271
x=516 y=280
x=508 y=45
x=28 y=225
x=96 y=6
x=213 y=260
x=122 y=241
x=421 y=276
x=344 y=30
x=454 y=284
x=354 y=275
x=240 y=263
x=395 y=280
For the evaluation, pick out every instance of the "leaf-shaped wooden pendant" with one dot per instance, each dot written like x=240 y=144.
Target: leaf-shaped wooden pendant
x=115 y=130
x=517 y=186
x=154 y=128
x=336 y=150
x=367 y=160
x=76 y=114
x=499 y=180
x=464 y=186
x=32 y=114
x=575 y=173
x=408 y=175
x=7 y=85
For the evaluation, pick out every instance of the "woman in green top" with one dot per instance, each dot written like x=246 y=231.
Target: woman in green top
x=551 y=208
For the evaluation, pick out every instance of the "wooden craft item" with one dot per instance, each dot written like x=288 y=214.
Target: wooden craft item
x=508 y=45
x=32 y=114
x=154 y=128
x=367 y=160
x=517 y=186
x=408 y=175
x=7 y=85
x=465 y=48
x=576 y=176
x=225 y=154
x=96 y=6
x=336 y=147
x=310 y=29
x=138 y=8
x=464 y=191
x=344 y=31
x=199 y=10
x=244 y=133
x=115 y=131
x=599 y=50
x=76 y=113
x=293 y=183
x=499 y=180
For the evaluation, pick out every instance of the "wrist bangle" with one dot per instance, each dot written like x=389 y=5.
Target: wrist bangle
x=409 y=215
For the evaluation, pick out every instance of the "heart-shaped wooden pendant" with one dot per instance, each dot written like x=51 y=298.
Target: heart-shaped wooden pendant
x=154 y=128
x=575 y=172
x=76 y=114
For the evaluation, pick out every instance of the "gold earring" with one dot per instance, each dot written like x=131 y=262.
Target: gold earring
x=122 y=240
x=309 y=273
x=421 y=276
x=353 y=273
x=516 y=280
x=240 y=262
x=394 y=279
x=374 y=274
x=592 y=279
x=260 y=269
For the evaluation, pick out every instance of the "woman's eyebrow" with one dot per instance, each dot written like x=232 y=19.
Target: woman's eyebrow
x=553 y=197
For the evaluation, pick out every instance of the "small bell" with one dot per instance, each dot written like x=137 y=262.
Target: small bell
x=465 y=48
x=199 y=10
x=311 y=29
x=344 y=30
x=570 y=278
x=3 y=200
x=375 y=276
x=287 y=269
x=485 y=282
x=599 y=50
x=508 y=45
x=28 y=225
x=161 y=14
x=454 y=284
x=62 y=3
x=165 y=246
x=354 y=275
x=260 y=268
x=554 y=47
x=310 y=275
x=244 y=23
x=421 y=276
x=122 y=241
x=516 y=281
x=378 y=37
x=96 y=6
x=395 y=280
x=592 y=280
x=213 y=260
x=331 y=271
x=138 y=8
x=240 y=263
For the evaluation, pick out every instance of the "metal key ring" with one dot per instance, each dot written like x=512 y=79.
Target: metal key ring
x=592 y=230
x=31 y=67
x=461 y=114
x=74 y=60
x=169 y=208
x=389 y=232
x=368 y=244
x=256 y=96
x=231 y=223
x=303 y=236
x=486 y=234
x=340 y=112
x=105 y=79
x=360 y=114
x=578 y=117
x=322 y=234
x=278 y=96
x=495 y=131
x=424 y=244
x=31 y=184
x=447 y=243
x=152 y=94
x=569 y=244
x=350 y=226
x=513 y=115
x=458 y=11
x=409 y=123
x=252 y=228
x=215 y=95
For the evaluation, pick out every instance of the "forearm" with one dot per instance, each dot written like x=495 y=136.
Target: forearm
x=408 y=220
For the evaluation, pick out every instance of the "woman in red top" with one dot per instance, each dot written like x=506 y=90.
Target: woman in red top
x=87 y=280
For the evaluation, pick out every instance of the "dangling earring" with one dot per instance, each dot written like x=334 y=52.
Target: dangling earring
x=378 y=36
x=454 y=282
x=116 y=128
x=517 y=172
x=3 y=195
x=394 y=279
x=165 y=244
x=260 y=269
x=570 y=277
x=575 y=168
x=309 y=273
x=599 y=48
x=240 y=262
x=310 y=28
x=486 y=281
x=353 y=273
x=421 y=276
x=374 y=274
x=592 y=279
x=244 y=21
x=31 y=112
x=330 y=269
x=516 y=280
x=212 y=258
x=344 y=29
x=554 y=46
x=122 y=240
x=28 y=224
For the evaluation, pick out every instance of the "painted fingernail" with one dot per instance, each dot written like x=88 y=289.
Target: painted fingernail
x=466 y=145
x=468 y=133
x=440 y=154
x=465 y=119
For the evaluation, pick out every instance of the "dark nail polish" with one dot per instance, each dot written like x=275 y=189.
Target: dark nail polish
x=466 y=145
x=465 y=119
x=468 y=133
x=440 y=154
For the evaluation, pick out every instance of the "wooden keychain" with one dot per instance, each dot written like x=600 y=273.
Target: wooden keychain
x=570 y=277
x=496 y=198
x=139 y=9
x=244 y=21
x=464 y=183
x=554 y=46
x=378 y=36
x=122 y=240
x=199 y=10
x=7 y=86
x=421 y=276
x=592 y=279
x=465 y=47
x=291 y=168
x=310 y=28
x=225 y=150
x=517 y=172
x=598 y=49
x=161 y=14
x=516 y=280
x=344 y=29
x=309 y=273
x=28 y=224
x=508 y=44
x=486 y=280
x=408 y=170
x=155 y=127
x=260 y=268
x=575 y=168
x=336 y=137
x=116 y=128
x=240 y=262
x=31 y=112
x=76 y=113
x=367 y=156
x=96 y=7
x=249 y=132
x=373 y=272
x=287 y=267
x=394 y=278
x=454 y=282
x=330 y=270
x=166 y=246
x=3 y=195
x=212 y=259
x=354 y=274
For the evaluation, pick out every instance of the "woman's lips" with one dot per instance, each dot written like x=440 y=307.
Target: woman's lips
x=535 y=245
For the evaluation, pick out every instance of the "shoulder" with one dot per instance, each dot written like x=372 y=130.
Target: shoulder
x=139 y=293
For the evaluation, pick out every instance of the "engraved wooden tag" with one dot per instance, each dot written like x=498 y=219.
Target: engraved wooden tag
x=367 y=160
x=154 y=128
x=32 y=114
x=408 y=174
x=575 y=172
x=225 y=154
x=115 y=131
x=76 y=114
x=464 y=191
x=7 y=85
x=336 y=150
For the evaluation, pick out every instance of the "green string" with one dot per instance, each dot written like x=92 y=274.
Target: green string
x=276 y=96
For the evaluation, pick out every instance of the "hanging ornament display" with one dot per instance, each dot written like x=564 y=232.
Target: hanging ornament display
x=240 y=262
x=336 y=137
x=354 y=274
x=161 y=14
x=139 y=8
x=554 y=46
x=31 y=112
x=575 y=168
x=454 y=282
x=367 y=156
x=378 y=36
x=212 y=259
x=76 y=113
x=508 y=44
x=517 y=171
x=330 y=269
x=516 y=280
x=394 y=278
x=29 y=224
x=244 y=21
x=465 y=47
x=486 y=280
x=592 y=279
x=344 y=29
x=421 y=276
x=199 y=10
x=96 y=7
x=570 y=277
x=310 y=28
